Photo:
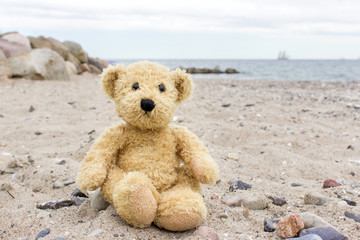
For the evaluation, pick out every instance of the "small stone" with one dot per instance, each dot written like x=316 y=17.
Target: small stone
x=38 y=133
x=233 y=156
x=225 y=214
x=60 y=238
x=58 y=184
x=312 y=220
x=278 y=201
x=31 y=109
x=96 y=232
x=226 y=105
x=355 y=217
x=59 y=204
x=315 y=199
x=234 y=201
x=342 y=204
x=307 y=237
x=69 y=182
x=350 y=202
x=269 y=225
x=330 y=183
x=116 y=235
x=61 y=162
x=43 y=233
x=297 y=184
x=206 y=233
x=326 y=233
x=98 y=202
x=78 y=193
x=255 y=203
x=246 y=213
x=239 y=185
x=289 y=226
x=214 y=197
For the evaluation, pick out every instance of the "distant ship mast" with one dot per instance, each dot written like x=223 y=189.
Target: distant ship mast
x=283 y=56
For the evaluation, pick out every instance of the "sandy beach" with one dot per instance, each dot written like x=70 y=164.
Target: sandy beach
x=283 y=138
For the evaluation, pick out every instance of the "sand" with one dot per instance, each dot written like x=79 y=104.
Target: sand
x=282 y=133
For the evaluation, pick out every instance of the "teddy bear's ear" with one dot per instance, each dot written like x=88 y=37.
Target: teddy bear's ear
x=109 y=77
x=183 y=84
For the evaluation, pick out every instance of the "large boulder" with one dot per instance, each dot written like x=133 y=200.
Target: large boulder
x=77 y=51
x=13 y=43
x=99 y=63
x=70 y=67
x=39 y=64
x=5 y=70
x=17 y=38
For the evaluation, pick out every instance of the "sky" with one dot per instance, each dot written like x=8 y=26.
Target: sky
x=191 y=29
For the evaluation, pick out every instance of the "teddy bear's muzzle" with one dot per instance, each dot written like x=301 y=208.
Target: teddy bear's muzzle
x=147 y=105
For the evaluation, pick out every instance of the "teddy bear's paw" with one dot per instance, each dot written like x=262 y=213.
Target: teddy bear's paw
x=205 y=171
x=179 y=222
x=90 y=180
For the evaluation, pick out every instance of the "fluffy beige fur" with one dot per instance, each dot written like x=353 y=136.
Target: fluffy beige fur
x=149 y=170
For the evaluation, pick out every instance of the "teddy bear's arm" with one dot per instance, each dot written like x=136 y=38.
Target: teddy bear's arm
x=195 y=156
x=97 y=161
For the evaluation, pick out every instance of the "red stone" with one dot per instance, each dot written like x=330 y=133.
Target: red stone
x=330 y=183
x=290 y=226
x=207 y=233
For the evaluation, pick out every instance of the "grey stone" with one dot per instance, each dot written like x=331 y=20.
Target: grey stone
x=239 y=185
x=76 y=50
x=60 y=238
x=355 y=217
x=234 y=201
x=308 y=237
x=326 y=233
x=98 y=202
x=39 y=64
x=58 y=184
x=278 y=201
x=60 y=204
x=14 y=43
x=315 y=199
x=312 y=220
x=255 y=202
x=270 y=225
x=78 y=193
x=43 y=233
x=96 y=232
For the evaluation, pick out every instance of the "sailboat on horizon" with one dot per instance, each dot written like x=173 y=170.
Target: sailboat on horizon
x=283 y=56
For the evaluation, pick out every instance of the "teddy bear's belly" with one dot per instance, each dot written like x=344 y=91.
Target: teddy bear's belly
x=159 y=166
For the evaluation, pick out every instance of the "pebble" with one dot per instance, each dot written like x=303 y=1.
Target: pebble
x=206 y=233
x=60 y=238
x=78 y=193
x=297 y=184
x=61 y=162
x=60 y=204
x=69 y=182
x=315 y=199
x=233 y=156
x=307 y=237
x=269 y=225
x=278 y=201
x=239 y=185
x=43 y=233
x=96 y=232
x=326 y=233
x=312 y=220
x=289 y=226
x=58 y=184
x=342 y=204
x=225 y=214
x=234 y=201
x=350 y=202
x=330 y=183
x=355 y=217
x=31 y=109
x=98 y=202
x=255 y=203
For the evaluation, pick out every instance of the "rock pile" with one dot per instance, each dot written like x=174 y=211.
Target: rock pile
x=215 y=70
x=44 y=58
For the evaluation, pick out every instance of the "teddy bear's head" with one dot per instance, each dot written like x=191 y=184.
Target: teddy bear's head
x=146 y=93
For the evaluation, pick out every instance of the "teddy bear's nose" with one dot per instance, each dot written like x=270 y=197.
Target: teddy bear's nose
x=147 y=105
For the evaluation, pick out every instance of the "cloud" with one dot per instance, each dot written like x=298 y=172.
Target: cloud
x=212 y=16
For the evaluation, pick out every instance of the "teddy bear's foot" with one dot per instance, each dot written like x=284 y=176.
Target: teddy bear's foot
x=134 y=200
x=180 y=209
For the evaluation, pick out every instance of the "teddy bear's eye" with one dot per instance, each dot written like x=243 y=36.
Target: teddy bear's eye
x=162 y=88
x=135 y=86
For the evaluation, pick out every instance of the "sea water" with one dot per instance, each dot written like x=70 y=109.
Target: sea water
x=277 y=70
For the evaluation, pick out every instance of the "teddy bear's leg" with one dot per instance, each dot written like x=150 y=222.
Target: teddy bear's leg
x=180 y=209
x=135 y=199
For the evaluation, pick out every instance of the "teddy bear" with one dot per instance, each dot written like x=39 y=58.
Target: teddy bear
x=148 y=169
